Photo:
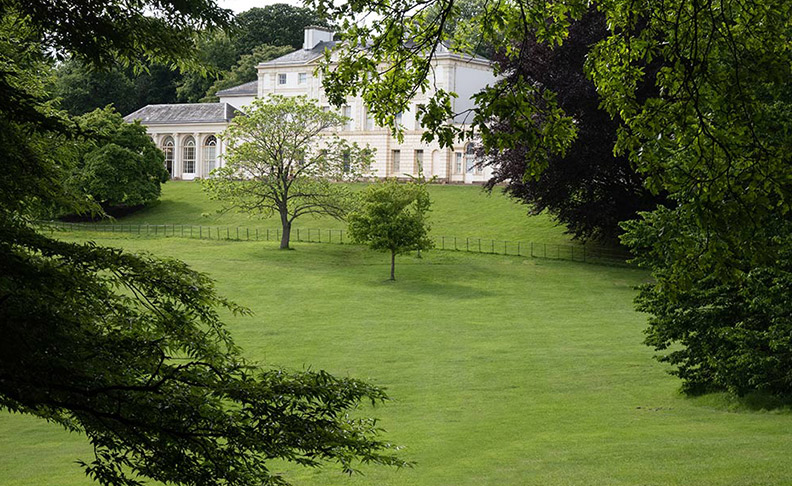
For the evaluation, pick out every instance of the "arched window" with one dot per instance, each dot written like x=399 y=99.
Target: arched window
x=188 y=159
x=167 y=148
x=470 y=158
x=209 y=154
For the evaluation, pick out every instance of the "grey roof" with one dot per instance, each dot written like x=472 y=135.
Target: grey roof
x=302 y=56
x=246 y=89
x=184 y=113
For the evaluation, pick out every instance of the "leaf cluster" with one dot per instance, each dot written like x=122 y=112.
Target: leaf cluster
x=556 y=153
x=283 y=158
x=392 y=216
x=116 y=164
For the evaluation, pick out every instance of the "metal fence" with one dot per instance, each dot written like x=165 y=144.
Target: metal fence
x=578 y=253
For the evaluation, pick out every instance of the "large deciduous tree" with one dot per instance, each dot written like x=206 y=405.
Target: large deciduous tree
x=701 y=91
x=392 y=217
x=283 y=159
x=587 y=188
x=118 y=165
x=128 y=349
x=276 y=25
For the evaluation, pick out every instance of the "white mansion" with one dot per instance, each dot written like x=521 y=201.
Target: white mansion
x=189 y=133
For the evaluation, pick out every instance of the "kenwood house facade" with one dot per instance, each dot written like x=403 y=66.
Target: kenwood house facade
x=189 y=134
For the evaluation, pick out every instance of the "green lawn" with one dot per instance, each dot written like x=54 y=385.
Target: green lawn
x=462 y=211
x=503 y=371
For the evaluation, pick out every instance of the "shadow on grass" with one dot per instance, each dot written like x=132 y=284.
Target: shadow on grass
x=753 y=402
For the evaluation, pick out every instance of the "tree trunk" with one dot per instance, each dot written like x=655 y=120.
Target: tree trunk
x=393 y=265
x=285 y=234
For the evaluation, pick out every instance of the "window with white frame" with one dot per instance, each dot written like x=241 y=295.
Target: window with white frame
x=395 y=161
x=470 y=158
x=302 y=78
x=167 y=148
x=210 y=154
x=419 y=157
x=397 y=120
x=472 y=164
x=188 y=156
x=346 y=111
x=458 y=163
x=282 y=78
x=369 y=121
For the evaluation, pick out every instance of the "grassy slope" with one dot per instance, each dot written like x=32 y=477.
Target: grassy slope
x=460 y=211
x=504 y=371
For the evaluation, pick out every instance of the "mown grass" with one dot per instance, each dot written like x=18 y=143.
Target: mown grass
x=462 y=211
x=503 y=371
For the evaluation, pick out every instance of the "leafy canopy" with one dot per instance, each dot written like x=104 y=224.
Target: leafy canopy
x=118 y=165
x=392 y=216
x=284 y=159
x=587 y=188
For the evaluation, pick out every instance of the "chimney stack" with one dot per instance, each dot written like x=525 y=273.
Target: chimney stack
x=314 y=35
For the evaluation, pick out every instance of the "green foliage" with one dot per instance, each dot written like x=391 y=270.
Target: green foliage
x=390 y=61
x=392 y=217
x=726 y=304
x=244 y=70
x=716 y=136
x=119 y=165
x=276 y=25
x=282 y=159
x=81 y=90
x=127 y=349
x=217 y=50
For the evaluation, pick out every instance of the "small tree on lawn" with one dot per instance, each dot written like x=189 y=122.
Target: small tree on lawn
x=283 y=159
x=392 y=217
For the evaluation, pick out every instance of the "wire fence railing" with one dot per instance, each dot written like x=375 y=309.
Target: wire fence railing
x=554 y=251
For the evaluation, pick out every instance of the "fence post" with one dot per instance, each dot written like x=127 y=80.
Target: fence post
x=267 y=234
x=443 y=243
x=200 y=232
x=455 y=245
x=518 y=249
x=492 y=249
x=479 y=245
x=467 y=243
x=505 y=251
